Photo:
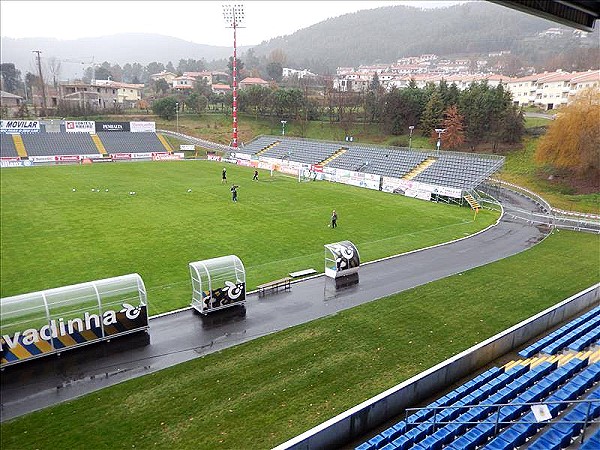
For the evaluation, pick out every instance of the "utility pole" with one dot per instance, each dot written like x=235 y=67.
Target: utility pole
x=39 y=62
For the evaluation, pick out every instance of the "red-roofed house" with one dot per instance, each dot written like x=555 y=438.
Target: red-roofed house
x=221 y=88
x=247 y=82
x=198 y=75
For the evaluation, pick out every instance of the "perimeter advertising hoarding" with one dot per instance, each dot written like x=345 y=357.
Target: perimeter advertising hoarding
x=142 y=127
x=19 y=126
x=166 y=157
x=416 y=189
x=360 y=179
x=14 y=163
x=112 y=126
x=80 y=126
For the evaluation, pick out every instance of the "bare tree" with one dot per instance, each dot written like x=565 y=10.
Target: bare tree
x=54 y=66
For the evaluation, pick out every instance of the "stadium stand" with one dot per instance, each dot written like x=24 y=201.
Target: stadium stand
x=451 y=169
x=378 y=161
x=50 y=144
x=7 y=146
x=458 y=171
x=493 y=410
x=125 y=142
x=302 y=151
x=548 y=343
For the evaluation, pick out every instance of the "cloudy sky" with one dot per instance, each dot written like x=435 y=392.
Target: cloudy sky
x=196 y=21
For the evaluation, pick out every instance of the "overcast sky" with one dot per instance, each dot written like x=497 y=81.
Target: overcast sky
x=196 y=21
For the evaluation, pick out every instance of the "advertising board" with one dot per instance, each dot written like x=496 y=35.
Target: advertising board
x=120 y=156
x=80 y=126
x=188 y=147
x=166 y=157
x=112 y=126
x=144 y=155
x=19 y=126
x=142 y=127
x=15 y=163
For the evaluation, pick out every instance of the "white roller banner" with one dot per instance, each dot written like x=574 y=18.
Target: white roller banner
x=142 y=127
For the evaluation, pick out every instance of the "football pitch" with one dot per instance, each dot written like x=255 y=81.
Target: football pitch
x=63 y=225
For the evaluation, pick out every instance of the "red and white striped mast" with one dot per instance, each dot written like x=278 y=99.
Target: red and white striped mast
x=234 y=16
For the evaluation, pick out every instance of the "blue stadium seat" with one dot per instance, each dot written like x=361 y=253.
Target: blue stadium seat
x=545 y=444
x=592 y=443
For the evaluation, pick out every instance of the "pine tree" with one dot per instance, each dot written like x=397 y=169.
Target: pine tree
x=433 y=114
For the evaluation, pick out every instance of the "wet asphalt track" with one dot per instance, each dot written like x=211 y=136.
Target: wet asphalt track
x=184 y=335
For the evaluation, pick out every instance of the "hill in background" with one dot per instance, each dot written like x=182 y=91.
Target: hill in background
x=386 y=34
x=380 y=35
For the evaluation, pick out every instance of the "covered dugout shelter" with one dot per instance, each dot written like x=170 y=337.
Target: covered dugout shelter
x=217 y=283
x=42 y=323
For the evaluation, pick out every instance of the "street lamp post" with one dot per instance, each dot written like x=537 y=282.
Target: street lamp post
x=234 y=15
x=283 y=122
x=410 y=128
x=439 y=131
x=177 y=114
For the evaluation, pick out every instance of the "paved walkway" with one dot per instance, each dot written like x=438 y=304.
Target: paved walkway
x=184 y=335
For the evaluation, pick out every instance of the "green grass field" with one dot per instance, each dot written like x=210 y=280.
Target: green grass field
x=52 y=236
x=261 y=393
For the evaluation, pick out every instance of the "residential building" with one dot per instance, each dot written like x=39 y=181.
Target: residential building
x=206 y=76
x=251 y=81
x=221 y=88
x=127 y=94
x=164 y=75
x=10 y=101
x=304 y=73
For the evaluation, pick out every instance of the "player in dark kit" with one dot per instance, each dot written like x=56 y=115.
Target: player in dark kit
x=255 y=177
x=224 y=176
x=234 y=192
x=333 y=219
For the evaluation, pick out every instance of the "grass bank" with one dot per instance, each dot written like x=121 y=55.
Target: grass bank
x=261 y=393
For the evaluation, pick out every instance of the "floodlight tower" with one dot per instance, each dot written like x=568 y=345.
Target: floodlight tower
x=234 y=16
x=439 y=131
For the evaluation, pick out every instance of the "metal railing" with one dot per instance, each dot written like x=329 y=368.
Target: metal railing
x=494 y=417
x=553 y=217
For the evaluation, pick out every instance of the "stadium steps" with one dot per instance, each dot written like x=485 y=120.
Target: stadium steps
x=418 y=169
x=165 y=143
x=19 y=145
x=339 y=152
x=471 y=201
x=99 y=145
x=264 y=149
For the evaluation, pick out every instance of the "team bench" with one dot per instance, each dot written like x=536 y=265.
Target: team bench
x=274 y=286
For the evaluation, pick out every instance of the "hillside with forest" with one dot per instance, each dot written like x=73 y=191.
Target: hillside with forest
x=380 y=35
x=385 y=34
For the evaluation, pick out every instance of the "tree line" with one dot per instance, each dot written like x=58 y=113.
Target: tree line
x=479 y=114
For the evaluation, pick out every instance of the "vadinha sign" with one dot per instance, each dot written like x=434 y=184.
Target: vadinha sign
x=19 y=126
x=58 y=328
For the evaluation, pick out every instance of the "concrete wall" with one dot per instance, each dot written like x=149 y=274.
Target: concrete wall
x=361 y=419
